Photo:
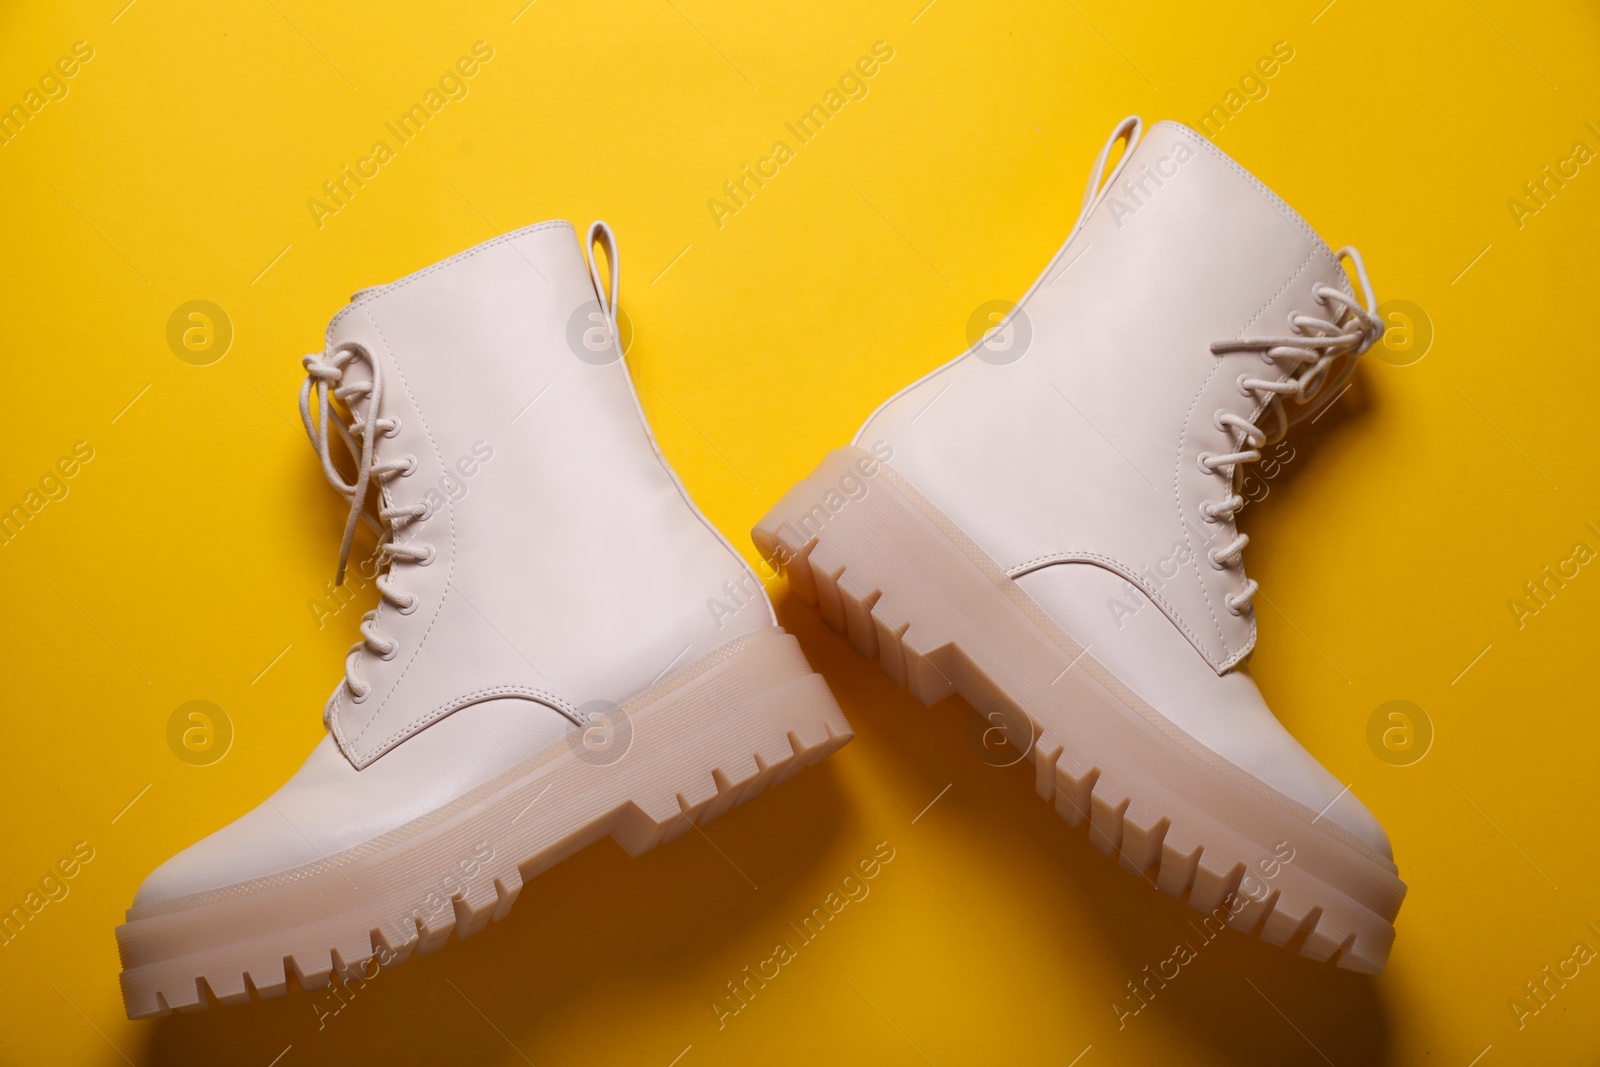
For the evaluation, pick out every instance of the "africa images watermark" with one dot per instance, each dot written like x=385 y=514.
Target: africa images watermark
x=53 y=488
x=737 y=595
x=349 y=979
x=1137 y=189
x=1539 y=591
x=738 y=191
x=1552 y=178
x=854 y=484
x=1184 y=953
x=53 y=888
x=853 y=888
x=53 y=87
x=1551 y=981
x=1153 y=578
x=453 y=84
x=1253 y=87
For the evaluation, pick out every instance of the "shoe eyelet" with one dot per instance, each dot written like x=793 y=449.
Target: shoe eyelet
x=1211 y=557
x=410 y=467
x=1203 y=461
x=359 y=696
x=410 y=606
x=425 y=560
x=1216 y=420
x=394 y=650
x=1243 y=389
x=1233 y=609
x=394 y=429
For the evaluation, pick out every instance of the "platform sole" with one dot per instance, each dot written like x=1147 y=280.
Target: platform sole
x=907 y=587
x=703 y=740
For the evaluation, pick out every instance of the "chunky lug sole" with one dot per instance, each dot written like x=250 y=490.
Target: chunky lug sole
x=904 y=585
x=704 y=740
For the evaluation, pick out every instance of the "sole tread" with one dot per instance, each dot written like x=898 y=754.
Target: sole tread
x=1194 y=858
x=344 y=944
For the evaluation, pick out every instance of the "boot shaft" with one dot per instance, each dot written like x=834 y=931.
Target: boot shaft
x=567 y=564
x=1083 y=439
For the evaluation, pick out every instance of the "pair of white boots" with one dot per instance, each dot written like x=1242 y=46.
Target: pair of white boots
x=568 y=649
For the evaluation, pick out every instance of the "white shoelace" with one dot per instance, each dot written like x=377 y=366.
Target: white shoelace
x=360 y=437
x=1348 y=330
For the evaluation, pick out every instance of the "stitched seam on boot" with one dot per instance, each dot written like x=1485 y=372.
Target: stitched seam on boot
x=421 y=644
x=465 y=700
x=1115 y=566
x=1290 y=215
x=1177 y=498
x=458 y=257
x=683 y=491
x=1249 y=644
x=1226 y=661
x=1304 y=263
x=337 y=700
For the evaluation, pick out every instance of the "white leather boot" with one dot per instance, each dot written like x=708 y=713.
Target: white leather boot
x=565 y=647
x=1046 y=526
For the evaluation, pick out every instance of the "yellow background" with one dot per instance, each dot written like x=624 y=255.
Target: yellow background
x=183 y=560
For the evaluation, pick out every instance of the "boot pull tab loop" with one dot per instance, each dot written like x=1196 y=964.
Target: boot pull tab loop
x=1371 y=326
x=600 y=232
x=1128 y=130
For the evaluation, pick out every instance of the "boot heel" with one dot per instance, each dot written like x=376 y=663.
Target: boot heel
x=715 y=741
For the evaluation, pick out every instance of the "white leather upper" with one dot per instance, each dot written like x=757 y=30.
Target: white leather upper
x=1129 y=636
x=1084 y=449
x=1116 y=394
x=575 y=568
x=329 y=806
x=570 y=565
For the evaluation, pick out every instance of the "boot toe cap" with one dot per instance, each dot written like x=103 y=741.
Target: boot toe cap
x=258 y=844
x=328 y=806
